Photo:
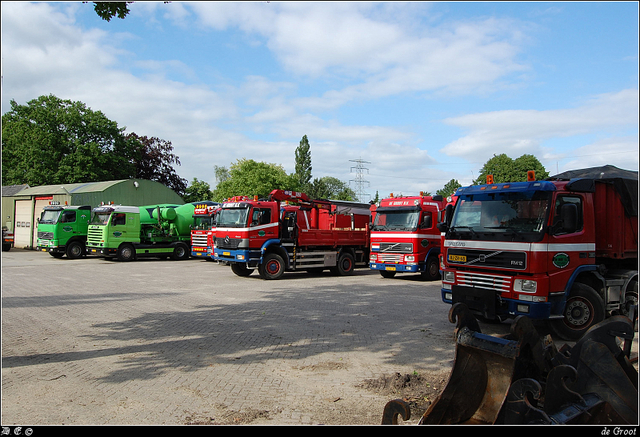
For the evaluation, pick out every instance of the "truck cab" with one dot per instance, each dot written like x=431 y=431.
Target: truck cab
x=405 y=237
x=62 y=230
x=559 y=250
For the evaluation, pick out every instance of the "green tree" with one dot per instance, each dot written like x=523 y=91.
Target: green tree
x=505 y=169
x=197 y=191
x=250 y=178
x=303 y=164
x=54 y=141
x=449 y=188
x=108 y=10
x=328 y=187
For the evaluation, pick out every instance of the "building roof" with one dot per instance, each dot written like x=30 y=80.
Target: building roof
x=84 y=187
x=12 y=190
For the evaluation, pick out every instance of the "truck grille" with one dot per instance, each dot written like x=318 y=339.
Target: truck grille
x=199 y=240
x=389 y=258
x=396 y=247
x=488 y=258
x=45 y=235
x=490 y=282
x=228 y=243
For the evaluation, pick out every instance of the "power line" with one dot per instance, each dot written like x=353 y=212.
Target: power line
x=360 y=182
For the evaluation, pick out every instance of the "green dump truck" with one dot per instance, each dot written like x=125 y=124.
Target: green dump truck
x=131 y=232
x=62 y=230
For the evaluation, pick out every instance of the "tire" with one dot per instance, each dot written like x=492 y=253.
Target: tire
x=75 y=250
x=241 y=269
x=583 y=309
x=180 y=252
x=346 y=264
x=387 y=274
x=6 y=247
x=432 y=270
x=272 y=266
x=126 y=253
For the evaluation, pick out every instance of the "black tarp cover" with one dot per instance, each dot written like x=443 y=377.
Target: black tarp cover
x=624 y=181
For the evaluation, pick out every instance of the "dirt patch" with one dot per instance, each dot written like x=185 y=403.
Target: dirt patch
x=419 y=391
x=228 y=417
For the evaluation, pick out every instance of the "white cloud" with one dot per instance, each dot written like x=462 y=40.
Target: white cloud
x=517 y=132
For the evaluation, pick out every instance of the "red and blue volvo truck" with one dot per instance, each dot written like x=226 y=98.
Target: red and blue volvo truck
x=203 y=229
x=290 y=232
x=564 y=249
x=405 y=237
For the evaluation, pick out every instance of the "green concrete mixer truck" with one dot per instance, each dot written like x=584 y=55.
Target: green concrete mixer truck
x=131 y=232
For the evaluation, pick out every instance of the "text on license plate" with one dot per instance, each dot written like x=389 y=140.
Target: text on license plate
x=458 y=258
x=389 y=268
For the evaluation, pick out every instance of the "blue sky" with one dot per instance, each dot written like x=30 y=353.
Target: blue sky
x=423 y=92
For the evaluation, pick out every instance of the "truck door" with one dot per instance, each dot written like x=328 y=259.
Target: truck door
x=289 y=228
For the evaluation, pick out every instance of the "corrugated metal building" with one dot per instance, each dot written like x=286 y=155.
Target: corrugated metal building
x=22 y=209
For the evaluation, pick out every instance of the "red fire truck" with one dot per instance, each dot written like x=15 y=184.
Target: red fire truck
x=204 y=216
x=405 y=237
x=564 y=249
x=290 y=232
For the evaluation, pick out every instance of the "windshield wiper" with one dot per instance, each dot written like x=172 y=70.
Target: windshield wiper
x=454 y=228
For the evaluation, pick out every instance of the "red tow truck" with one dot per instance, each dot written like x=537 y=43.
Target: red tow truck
x=405 y=237
x=203 y=229
x=290 y=232
x=564 y=249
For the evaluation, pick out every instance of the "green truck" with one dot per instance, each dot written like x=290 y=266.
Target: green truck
x=62 y=230
x=131 y=232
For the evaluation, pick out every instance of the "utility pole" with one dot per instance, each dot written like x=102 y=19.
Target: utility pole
x=360 y=182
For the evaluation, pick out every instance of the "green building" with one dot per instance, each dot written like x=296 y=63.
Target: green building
x=21 y=209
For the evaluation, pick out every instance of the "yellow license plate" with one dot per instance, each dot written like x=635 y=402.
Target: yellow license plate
x=390 y=268
x=226 y=253
x=43 y=250
x=458 y=258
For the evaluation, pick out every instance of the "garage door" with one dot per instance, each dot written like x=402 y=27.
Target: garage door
x=23 y=224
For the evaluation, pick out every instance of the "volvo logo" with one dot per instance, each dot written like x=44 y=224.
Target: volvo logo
x=226 y=239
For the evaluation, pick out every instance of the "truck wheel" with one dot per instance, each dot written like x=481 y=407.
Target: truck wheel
x=272 y=266
x=432 y=270
x=126 y=252
x=346 y=264
x=583 y=309
x=180 y=252
x=75 y=250
x=240 y=269
x=387 y=274
x=6 y=247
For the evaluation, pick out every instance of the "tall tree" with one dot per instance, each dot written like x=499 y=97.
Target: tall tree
x=505 y=169
x=303 y=164
x=54 y=141
x=251 y=178
x=449 y=188
x=328 y=187
x=154 y=160
x=197 y=191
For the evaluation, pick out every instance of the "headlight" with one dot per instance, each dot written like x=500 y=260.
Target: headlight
x=449 y=276
x=525 y=285
x=409 y=258
x=373 y=257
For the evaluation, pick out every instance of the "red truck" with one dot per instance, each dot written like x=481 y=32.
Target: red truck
x=203 y=229
x=405 y=237
x=563 y=250
x=289 y=232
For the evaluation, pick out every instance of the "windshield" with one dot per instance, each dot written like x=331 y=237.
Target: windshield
x=397 y=220
x=202 y=222
x=232 y=217
x=100 y=218
x=502 y=214
x=50 y=217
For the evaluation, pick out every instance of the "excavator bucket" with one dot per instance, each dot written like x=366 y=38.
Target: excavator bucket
x=484 y=368
x=522 y=378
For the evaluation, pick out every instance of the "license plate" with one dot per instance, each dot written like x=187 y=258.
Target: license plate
x=44 y=250
x=226 y=253
x=390 y=268
x=458 y=258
